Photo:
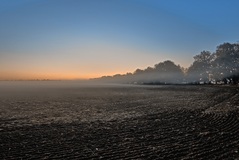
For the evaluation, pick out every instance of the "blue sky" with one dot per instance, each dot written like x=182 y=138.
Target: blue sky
x=65 y=39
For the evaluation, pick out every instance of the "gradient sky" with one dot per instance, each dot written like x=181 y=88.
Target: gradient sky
x=72 y=39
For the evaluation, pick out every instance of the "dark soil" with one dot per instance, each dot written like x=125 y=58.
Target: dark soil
x=120 y=122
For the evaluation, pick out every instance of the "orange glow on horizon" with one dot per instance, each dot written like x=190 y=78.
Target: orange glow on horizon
x=89 y=61
x=55 y=76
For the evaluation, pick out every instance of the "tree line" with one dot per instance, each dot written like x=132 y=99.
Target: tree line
x=220 y=67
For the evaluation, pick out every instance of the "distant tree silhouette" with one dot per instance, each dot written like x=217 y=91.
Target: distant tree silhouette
x=226 y=63
x=201 y=67
x=169 y=72
x=138 y=71
x=223 y=65
x=164 y=72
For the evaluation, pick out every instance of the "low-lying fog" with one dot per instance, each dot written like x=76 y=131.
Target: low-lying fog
x=51 y=88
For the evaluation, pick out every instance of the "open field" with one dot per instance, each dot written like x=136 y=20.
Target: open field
x=45 y=120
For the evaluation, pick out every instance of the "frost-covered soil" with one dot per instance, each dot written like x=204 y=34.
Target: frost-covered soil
x=47 y=121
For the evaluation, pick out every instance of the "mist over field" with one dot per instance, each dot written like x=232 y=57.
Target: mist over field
x=119 y=79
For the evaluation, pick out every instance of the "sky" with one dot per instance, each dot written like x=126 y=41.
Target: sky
x=80 y=39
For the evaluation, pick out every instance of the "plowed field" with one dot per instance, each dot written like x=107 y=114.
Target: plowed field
x=119 y=122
